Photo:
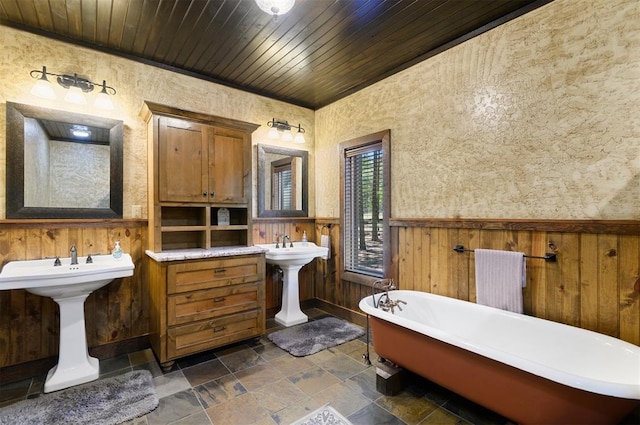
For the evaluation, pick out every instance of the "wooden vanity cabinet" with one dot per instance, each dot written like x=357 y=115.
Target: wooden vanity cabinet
x=200 y=198
x=209 y=161
x=199 y=166
x=198 y=305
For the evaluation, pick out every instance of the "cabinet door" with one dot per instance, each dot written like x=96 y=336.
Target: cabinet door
x=227 y=167
x=182 y=157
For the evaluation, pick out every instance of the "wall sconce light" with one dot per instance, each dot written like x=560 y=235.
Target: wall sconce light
x=77 y=86
x=284 y=127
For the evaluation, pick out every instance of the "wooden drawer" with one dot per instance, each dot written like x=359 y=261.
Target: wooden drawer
x=210 y=303
x=191 y=276
x=207 y=334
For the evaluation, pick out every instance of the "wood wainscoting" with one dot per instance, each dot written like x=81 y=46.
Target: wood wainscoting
x=118 y=312
x=595 y=283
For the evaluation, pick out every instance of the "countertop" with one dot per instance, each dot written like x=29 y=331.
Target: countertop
x=199 y=253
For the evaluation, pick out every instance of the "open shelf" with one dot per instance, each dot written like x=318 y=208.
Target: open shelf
x=229 y=237
x=182 y=216
x=184 y=227
x=183 y=240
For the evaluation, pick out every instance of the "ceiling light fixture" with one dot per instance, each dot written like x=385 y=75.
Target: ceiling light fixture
x=278 y=126
x=275 y=7
x=81 y=131
x=77 y=86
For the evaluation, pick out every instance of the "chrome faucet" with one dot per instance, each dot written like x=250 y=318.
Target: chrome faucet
x=388 y=304
x=284 y=241
x=74 y=255
x=384 y=284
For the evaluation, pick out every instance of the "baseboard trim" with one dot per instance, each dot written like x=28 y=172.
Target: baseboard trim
x=40 y=367
x=359 y=319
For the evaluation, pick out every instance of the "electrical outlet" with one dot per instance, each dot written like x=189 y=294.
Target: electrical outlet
x=136 y=211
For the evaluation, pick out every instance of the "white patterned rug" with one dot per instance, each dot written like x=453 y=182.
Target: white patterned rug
x=326 y=415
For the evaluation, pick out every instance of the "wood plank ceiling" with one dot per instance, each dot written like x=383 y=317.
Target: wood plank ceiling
x=319 y=52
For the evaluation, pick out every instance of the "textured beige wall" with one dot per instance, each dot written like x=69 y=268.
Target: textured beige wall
x=538 y=118
x=135 y=83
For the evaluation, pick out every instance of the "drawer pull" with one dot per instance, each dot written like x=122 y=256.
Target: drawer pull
x=219 y=328
x=219 y=299
x=220 y=270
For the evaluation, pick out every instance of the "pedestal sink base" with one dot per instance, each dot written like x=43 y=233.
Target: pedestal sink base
x=80 y=374
x=291 y=319
x=290 y=313
x=75 y=365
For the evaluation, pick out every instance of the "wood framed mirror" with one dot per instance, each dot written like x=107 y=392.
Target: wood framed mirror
x=282 y=182
x=62 y=164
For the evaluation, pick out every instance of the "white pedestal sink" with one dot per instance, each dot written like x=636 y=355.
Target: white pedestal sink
x=69 y=286
x=290 y=260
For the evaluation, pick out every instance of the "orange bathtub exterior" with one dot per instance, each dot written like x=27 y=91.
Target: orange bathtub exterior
x=515 y=394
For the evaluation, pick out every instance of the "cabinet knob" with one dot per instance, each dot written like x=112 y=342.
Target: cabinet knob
x=219 y=299
x=219 y=328
x=204 y=194
x=212 y=194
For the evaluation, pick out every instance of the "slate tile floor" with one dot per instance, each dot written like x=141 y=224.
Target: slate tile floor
x=258 y=383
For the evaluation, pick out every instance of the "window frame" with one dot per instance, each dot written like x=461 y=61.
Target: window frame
x=384 y=138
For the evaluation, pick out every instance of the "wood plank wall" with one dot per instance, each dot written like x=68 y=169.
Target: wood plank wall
x=335 y=293
x=29 y=324
x=595 y=283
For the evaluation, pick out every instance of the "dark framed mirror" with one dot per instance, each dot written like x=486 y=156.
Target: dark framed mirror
x=62 y=164
x=282 y=182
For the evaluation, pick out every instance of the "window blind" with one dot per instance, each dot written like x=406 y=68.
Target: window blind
x=363 y=193
x=282 y=188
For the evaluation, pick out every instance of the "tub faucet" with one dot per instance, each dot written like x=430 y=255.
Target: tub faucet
x=383 y=284
x=388 y=304
x=74 y=255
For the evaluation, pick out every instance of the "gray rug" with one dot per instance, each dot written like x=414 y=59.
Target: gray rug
x=311 y=337
x=107 y=401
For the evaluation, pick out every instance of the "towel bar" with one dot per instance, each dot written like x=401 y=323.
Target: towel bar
x=549 y=257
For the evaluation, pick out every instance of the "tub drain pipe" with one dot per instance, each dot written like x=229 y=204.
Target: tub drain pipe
x=365 y=356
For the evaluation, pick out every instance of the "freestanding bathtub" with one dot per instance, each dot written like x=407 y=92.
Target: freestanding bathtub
x=530 y=370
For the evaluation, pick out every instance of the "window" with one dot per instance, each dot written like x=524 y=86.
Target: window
x=365 y=205
x=281 y=190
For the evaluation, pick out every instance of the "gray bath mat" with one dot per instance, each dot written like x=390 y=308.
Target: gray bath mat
x=311 y=337
x=106 y=401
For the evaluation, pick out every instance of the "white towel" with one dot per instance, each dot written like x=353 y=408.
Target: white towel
x=325 y=241
x=500 y=277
